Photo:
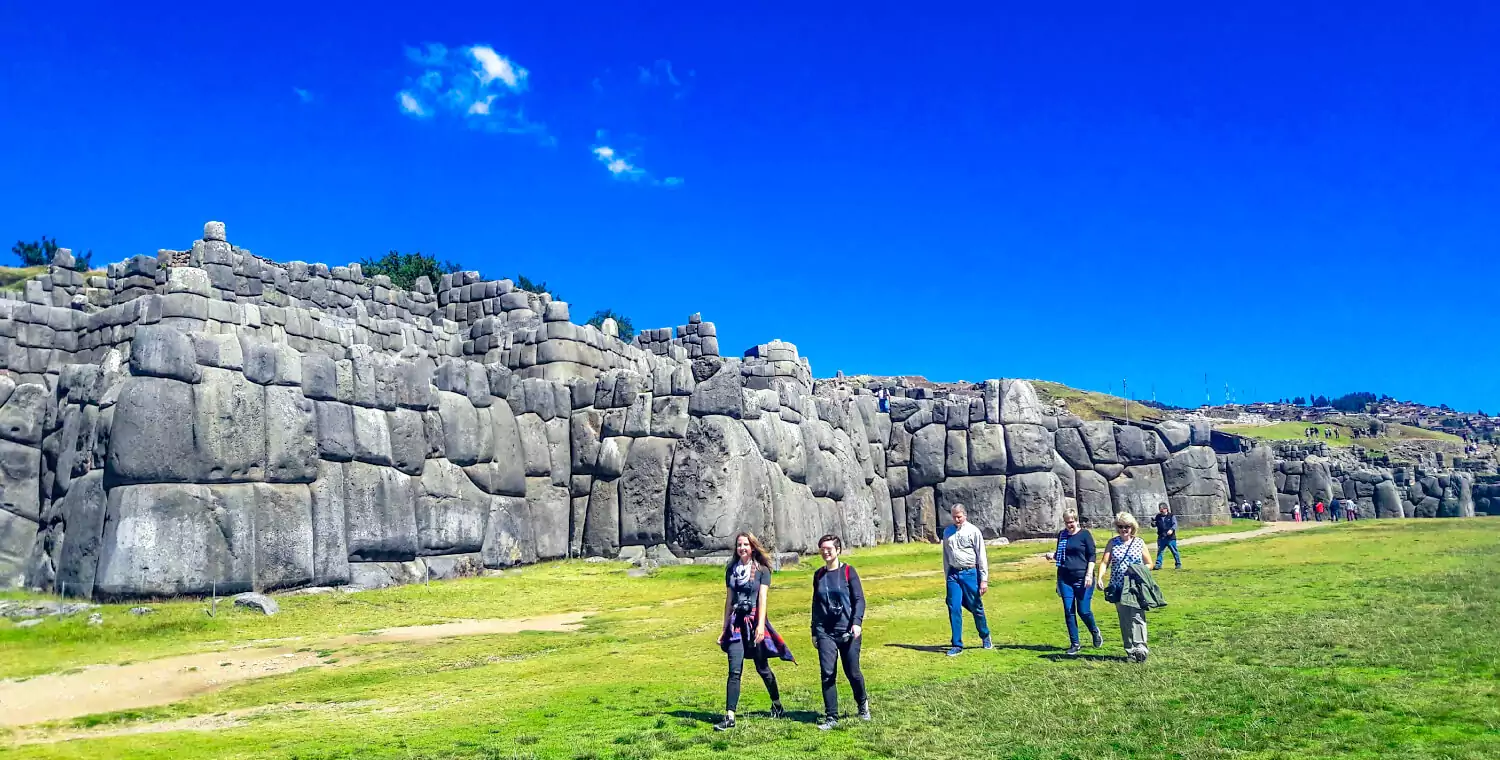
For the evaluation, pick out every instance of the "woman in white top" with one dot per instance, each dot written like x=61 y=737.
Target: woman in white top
x=1122 y=551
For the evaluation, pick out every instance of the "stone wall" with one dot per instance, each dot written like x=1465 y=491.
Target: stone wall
x=208 y=421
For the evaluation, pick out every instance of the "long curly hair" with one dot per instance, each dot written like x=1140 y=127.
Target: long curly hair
x=757 y=552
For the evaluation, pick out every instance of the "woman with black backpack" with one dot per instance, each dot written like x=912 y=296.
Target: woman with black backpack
x=838 y=616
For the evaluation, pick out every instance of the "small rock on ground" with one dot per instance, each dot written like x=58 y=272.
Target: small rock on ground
x=260 y=602
x=138 y=611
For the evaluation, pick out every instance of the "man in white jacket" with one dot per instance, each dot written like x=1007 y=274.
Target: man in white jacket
x=967 y=570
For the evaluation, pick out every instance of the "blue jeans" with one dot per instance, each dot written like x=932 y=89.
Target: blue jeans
x=1076 y=599
x=963 y=594
x=1161 y=549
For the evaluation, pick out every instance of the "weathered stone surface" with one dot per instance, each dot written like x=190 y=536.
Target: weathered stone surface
x=330 y=548
x=798 y=518
x=1139 y=490
x=1251 y=479
x=152 y=438
x=160 y=351
x=450 y=510
x=261 y=603
x=721 y=394
x=928 y=450
x=1387 y=500
x=1138 y=445
x=1175 y=435
x=1069 y=443
x=987 y=454
x=463 y=440
x=551 y=509
x=1030 y=448
x=1018 y=403
x=379 y=507
x=643 y=492
x=956 y=457
x=291 y=436
x=82 y=512
x=1095 y=506
x=1099 y=438
x=17 y=535
x=718 y=487
x=509 y=538
x=921 y=514
x=22 y=417
x=408 y=441
x=1196 y=492
x=983 y=499
x=372 y=436
x=601 y=527
x=1033 y=505
x=229 y=426
x=20 y=480
x=1316 y=484
x=170 y=539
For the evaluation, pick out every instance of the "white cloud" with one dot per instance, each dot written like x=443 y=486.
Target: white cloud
x=412 y=106
x=494 y=66
x=474 y=84
x=303 y=95
x=621 y=165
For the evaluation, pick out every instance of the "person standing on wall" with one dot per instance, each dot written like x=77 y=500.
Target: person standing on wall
x=838 y=617
x=967 y=570
x=747 y=581
x=1074 y=557
x=1166 y=535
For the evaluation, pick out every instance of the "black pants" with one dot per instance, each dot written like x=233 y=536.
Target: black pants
x=830 y=651
x=737 y=667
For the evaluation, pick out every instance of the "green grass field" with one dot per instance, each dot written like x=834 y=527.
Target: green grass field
x=1367 y=640
x=1091 y=405
x=13 y=279
x=1292 y=431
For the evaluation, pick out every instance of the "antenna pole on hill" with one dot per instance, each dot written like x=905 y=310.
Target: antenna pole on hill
x=1125 y=391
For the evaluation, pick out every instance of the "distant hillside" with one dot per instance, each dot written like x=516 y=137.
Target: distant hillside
x=1091 y=405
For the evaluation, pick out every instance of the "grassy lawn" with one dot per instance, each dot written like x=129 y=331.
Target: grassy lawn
x=1292 y=431
x=1368 y=640
x=14 y=279
x=1090 y=405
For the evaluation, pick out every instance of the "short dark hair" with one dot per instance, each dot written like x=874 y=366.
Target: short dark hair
x=838 y=543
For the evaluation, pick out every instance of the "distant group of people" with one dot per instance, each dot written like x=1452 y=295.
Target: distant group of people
x=1336 y=510
x=838 y=602
x=1314 y=432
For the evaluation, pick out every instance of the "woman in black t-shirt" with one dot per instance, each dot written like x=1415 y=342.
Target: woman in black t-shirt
x=838 y=618
x=1074 y=556
x=746 y=630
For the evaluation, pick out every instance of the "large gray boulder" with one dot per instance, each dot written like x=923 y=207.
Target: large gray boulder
x=1095 y=507
x=1139 y=446
x=380 y=514
x=1030 y=447
x=20 y=480
x=23 y=415
x=1251 y=478
x=722 y=394
x=1069 y=443
x=509 y=539
x=983 y=499
x=450 y=510
x=1033 y=505
x=922 y=523
x=1176 y=435
x=601 y=526
x=229 y=426
x=551 y=509
x=329 y=534
x=1099 y=438
x=1316 y=483
x=643 y=492
x=1388 y=500
x=82 y=513
x=928 y=456
x=1195 y=490
x=171 y=539
x=718 y=487
x=17 y=534
x=152 y=437
x=1139 y=490
x=1019 y=404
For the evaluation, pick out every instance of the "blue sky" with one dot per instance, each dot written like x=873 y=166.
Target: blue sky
x=1291 y=201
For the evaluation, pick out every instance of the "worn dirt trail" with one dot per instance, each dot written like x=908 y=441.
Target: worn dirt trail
x=108 y=688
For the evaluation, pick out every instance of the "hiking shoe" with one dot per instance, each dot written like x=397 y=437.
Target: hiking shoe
x=864 y=710
x=724 y=725
x=955 y=651
x=828 y=723
x=777 y=711
x=1073 y=650
x=988 y=644
x=1098 y=639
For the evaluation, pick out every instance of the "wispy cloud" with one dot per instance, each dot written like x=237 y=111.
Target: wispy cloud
x=622 y=164
x=660 y=74
x=303 y=95
x=475 y=84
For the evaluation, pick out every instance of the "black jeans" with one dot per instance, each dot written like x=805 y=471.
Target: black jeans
x=737 y=667
x=830 y=651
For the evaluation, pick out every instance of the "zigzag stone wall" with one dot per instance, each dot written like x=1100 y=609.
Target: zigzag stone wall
x=211 y=421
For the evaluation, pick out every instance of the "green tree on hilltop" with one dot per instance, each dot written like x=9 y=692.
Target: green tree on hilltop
x=627 y=330
x=405 y=268
x=39 y=254
x=526 y=283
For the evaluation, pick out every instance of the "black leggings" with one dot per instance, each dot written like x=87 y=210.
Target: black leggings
x=830 y=651
x=737 y=667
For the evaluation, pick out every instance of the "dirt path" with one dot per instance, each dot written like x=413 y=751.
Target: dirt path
x=108 y=688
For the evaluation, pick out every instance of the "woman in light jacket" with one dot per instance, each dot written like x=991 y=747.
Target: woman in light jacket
x=1122 y=551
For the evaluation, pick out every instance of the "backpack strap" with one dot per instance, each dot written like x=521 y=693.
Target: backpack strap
x=846 y=572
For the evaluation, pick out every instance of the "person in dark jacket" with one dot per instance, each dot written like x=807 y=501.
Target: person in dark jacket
x=1074 y=556
x=1166 y=535
x=838 y=618
x=747 y=581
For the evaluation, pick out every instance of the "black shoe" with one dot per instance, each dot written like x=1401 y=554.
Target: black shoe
x=1074 y=650
x=828 y=723
x=777 y=711
x=1098 y=639
x=724 y=725
x=864 y=710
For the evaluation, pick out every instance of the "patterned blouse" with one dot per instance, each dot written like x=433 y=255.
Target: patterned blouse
x=1123 y=555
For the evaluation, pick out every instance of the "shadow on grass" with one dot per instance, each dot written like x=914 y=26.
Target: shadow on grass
x=943 y=649
x=1062 y=657
x=709 y=718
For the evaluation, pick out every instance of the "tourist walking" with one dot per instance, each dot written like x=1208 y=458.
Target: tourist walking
x=838 y=617
x=967 y=570
x=1075 y=561
x=747 y=630
x=1166 y=535
x=1297 y=513
x=1131 y=588
x=1318 y=511
x=1336 y=509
